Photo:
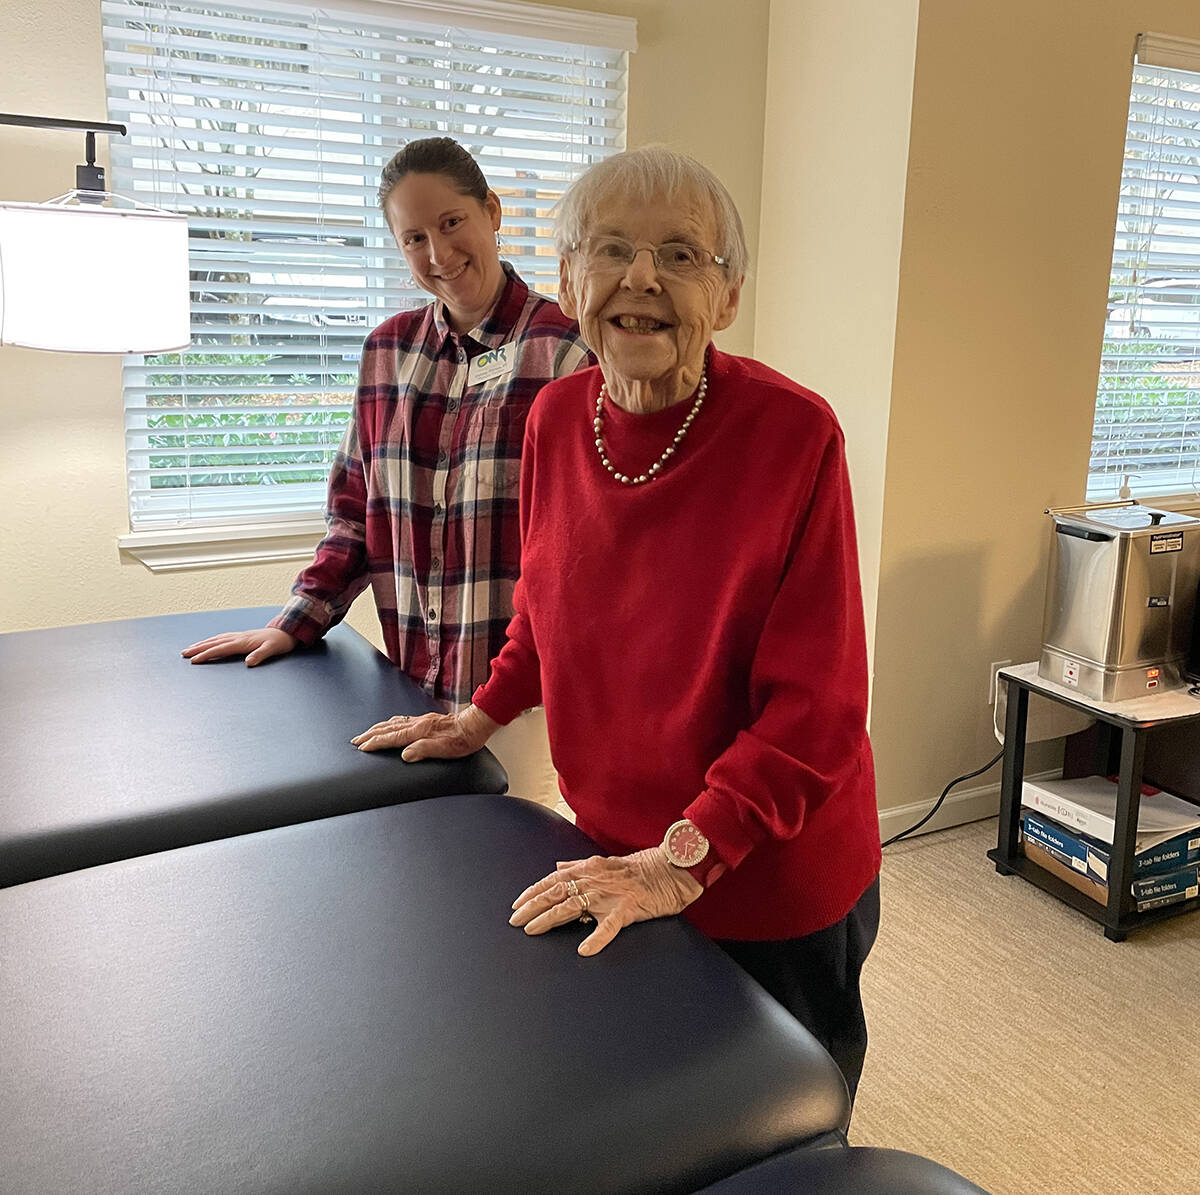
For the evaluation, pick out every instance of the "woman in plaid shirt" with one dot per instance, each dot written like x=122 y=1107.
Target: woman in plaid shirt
x=422 y=502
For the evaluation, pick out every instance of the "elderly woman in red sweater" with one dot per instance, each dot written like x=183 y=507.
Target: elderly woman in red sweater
x=689 y=613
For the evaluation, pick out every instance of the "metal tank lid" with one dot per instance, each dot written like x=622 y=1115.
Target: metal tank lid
x=1126 y=518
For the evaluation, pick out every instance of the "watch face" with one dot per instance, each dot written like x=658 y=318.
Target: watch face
x=685 y=845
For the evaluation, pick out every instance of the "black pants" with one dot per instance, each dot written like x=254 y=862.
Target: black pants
x=816 y=979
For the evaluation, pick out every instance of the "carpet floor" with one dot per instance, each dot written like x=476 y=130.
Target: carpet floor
x=1011 y=1041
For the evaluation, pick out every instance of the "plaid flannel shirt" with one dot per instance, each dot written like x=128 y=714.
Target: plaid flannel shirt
x=423 y=494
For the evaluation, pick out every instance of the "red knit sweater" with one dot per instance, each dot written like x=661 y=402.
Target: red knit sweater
x=698 y=641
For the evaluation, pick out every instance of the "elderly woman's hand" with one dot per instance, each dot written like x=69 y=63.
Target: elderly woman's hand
x=430 y=736
x=616 y=891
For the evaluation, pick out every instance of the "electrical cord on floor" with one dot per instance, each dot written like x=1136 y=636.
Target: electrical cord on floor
x=938 y=803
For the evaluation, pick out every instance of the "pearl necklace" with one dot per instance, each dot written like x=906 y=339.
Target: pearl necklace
x=653 y=471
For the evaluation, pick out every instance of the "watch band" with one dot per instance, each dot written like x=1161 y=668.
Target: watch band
x=709 y=869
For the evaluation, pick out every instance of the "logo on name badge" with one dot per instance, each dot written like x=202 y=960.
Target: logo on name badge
x=495 y=363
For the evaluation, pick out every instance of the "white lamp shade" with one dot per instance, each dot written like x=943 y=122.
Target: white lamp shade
x=80 y=279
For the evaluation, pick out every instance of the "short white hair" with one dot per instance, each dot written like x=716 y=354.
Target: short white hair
x=646 y=174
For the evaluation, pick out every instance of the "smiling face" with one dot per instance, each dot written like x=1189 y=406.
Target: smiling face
x=449 y=242
x=649 y=330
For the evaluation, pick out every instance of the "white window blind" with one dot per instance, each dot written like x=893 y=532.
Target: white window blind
x=267 y=124
x=1148 y=403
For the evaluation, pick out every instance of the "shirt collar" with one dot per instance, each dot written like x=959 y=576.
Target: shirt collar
x=496 y=327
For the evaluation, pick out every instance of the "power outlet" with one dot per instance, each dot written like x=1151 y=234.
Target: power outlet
x=993 y=669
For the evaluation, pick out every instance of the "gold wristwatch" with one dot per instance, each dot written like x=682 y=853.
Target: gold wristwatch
x=686 y=847
x=685 y=844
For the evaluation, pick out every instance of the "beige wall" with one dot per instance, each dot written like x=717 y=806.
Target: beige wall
x=839 y=86
x=1018 y=120
x=61 y=449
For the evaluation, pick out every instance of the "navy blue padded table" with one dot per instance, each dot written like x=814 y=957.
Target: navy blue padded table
x=850 y=1171
x=112 y=745
x=341 y=1006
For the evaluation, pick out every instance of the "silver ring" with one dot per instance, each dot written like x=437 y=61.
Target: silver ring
x=572 y=888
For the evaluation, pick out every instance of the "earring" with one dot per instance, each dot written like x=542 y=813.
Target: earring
x=498 y=244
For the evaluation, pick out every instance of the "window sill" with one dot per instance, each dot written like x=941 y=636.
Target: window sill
x=1181 y=503
x=1188 y=504
x=179 y=548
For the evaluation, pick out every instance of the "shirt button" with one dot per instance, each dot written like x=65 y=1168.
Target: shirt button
x=453 y=404
x=436 y=562
x=442 y=458
x=432 y=614
x=437 y=508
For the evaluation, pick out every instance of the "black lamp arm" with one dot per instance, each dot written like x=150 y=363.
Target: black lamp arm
x=53 y=122
x=91 y=176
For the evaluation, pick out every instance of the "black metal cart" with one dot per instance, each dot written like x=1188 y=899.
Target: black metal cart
x=1133 y=721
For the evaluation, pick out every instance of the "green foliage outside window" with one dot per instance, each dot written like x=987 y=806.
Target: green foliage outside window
x=183 y=438
x=1145 y=400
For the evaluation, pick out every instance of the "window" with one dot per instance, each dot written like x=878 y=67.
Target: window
x=1148 y=404
x=267 y=123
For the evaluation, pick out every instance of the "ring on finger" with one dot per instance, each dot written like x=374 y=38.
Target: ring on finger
x=586 y=919
x=572 y=888
x=585 y=903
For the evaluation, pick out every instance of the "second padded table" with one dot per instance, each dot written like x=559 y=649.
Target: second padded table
x=342 y=1006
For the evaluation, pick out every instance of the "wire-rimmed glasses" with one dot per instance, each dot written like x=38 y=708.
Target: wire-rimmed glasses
x=676 y=259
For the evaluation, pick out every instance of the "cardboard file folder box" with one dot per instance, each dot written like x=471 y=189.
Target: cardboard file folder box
x=1083 y=864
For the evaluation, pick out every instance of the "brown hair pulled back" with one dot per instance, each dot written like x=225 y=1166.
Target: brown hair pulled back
x=435 y=155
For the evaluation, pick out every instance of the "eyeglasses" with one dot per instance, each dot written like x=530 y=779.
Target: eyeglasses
x=675 y=259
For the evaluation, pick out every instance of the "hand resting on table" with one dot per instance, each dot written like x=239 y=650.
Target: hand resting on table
x=257 y=646
x=430 y=736
x=615 y=891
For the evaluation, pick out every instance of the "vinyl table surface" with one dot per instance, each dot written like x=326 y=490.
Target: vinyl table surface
x=342 y=1006
x=112 y=745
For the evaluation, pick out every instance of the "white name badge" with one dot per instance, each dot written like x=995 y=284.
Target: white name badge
x=495 y=363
